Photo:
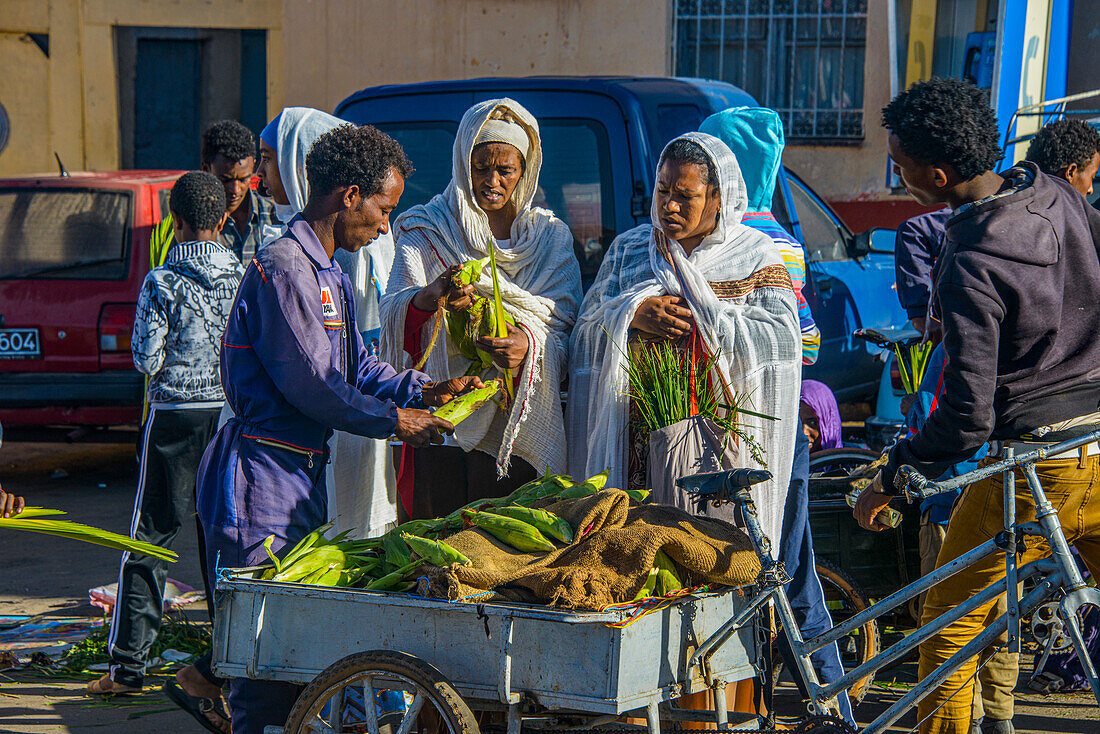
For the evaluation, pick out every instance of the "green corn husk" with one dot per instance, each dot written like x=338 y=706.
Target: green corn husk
x=547 y=522
x=638 y=495
x=481 y=319
x=397 y=552
x=83 y=533
x=463 y=406
x=436 y=552
x=390 y=581
x=303 y=545
x=520 y=535
x=667 y=579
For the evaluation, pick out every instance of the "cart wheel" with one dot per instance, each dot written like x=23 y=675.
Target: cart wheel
x=844 y=598
x=334 y=700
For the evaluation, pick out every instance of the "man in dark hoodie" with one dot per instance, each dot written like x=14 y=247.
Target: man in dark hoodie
x=1015 y=290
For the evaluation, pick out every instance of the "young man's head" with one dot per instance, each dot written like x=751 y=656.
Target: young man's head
x=943 y=133
x=229 y=152
x=197 y=203
x=1069 y=149
x=358 y=172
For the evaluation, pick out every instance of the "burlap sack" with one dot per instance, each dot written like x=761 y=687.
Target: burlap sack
x=608 y=561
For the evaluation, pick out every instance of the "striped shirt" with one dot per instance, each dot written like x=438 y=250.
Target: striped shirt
x=795 y=260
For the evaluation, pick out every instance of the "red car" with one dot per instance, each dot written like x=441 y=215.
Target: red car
x=74 y=251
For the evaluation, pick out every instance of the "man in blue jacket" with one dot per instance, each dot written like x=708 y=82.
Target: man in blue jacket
x=294 y=368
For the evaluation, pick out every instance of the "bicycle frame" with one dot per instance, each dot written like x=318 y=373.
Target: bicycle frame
x=1057 y=571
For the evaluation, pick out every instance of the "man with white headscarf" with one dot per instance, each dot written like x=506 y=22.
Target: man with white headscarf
x=695 y=272
x=496 y=160
x=361 y=481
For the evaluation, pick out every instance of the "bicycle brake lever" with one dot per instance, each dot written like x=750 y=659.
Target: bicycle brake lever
x=911 y=483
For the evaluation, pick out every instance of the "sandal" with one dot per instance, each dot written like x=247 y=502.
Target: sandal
x=196 y=706
x=104 y=686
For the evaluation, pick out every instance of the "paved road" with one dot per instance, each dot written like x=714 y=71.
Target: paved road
x=39 y=574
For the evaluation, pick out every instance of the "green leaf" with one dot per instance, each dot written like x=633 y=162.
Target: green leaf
x=87 y=534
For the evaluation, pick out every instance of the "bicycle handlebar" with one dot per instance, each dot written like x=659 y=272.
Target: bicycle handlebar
x=917 y=487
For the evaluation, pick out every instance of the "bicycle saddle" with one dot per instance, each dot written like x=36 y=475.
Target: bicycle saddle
x=721 y=486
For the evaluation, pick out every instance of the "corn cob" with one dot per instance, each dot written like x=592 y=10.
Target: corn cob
x=308 y=563
x=435 y=552
x=391 y=580
x=396 y=551
x=649 y=586
x=546 y=522
x=306 y=543
x=463 y=406
x=516 y=533
x=667 y=580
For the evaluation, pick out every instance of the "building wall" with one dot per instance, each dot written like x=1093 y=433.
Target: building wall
x=69 y=101
x=340 y=46
x=856 y=172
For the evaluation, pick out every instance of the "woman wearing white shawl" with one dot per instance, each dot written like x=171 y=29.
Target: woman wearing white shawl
x=495 y=168
x=361 y=481
x=726 y=279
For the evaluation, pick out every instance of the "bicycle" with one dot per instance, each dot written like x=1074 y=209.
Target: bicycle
x=1057 y=574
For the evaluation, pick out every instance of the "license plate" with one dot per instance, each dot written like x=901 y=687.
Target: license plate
x=19 y=344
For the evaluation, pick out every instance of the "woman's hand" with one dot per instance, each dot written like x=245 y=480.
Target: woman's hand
x=443 y=293
x=508 y=352
x=10 y=504
x=663 y=317
x=435 y=394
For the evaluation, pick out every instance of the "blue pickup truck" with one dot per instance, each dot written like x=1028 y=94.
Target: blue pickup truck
x=601 y=138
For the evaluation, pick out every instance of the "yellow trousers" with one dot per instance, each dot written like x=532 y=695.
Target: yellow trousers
x=1071 y=486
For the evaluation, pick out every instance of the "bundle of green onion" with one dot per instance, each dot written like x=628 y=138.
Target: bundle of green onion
x=30 y=520
x=912 y=363
x=662 y=388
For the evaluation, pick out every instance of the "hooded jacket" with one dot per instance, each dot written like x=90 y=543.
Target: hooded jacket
x=1018 y=291
x=181 y=313
x=755 y=137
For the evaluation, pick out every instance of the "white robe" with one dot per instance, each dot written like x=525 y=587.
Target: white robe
x=540 y=286
x=752 y=327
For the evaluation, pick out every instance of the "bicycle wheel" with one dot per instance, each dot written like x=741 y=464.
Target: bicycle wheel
x=839 y=462
x=844 y=598
x=326 y=704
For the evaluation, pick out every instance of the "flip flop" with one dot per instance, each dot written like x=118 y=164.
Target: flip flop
x=196 y=706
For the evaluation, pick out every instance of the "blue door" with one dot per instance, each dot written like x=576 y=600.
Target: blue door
x=167 y=103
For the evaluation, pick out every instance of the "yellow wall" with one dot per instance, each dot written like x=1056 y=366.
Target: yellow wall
x=69 y=102
x=336 y=47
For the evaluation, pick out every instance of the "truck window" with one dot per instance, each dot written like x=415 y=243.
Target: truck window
x=64 y=234
x=575 y=181
x=822 y=237
x=428 y=145
x=576 y=184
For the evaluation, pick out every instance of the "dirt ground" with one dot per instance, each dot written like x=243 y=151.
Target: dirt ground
x=43 y=575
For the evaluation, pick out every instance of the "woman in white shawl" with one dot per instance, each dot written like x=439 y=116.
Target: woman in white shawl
x=495 y=168
x=361 y=481
x=695 y=272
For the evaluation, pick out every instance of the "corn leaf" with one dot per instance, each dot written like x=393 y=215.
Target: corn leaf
x=29 y=512
x=87 y=534
x=501 y=326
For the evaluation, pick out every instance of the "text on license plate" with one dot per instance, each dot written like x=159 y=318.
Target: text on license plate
x=19 y=344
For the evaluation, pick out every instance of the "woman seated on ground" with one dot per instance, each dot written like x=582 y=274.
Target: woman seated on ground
x=820 y=416
x=700 y=278
x=496 y=160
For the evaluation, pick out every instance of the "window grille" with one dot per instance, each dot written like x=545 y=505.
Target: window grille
x=803 y=58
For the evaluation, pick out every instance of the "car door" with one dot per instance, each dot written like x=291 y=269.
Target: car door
x=846 y=291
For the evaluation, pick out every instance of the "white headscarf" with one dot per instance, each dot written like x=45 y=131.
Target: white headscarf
x=296 y=131
x=753 y=328
x=540 y=286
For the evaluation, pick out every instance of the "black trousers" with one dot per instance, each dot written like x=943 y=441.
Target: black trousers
x=172 y=447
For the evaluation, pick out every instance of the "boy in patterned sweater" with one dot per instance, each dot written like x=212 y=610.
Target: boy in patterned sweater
x=181 y=313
